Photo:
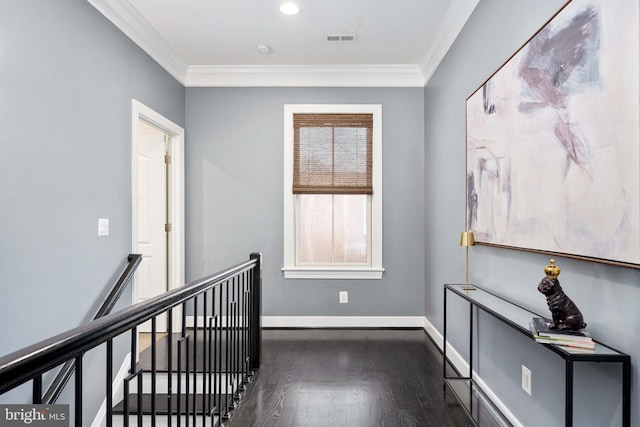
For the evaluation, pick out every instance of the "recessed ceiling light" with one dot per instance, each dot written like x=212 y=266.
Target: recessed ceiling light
x=289 y=8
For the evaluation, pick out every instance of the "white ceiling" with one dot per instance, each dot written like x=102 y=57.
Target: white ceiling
x=213 y=42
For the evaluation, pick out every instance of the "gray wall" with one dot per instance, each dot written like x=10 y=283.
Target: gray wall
x=606 y=295
x=234 y=200
x=67 y=77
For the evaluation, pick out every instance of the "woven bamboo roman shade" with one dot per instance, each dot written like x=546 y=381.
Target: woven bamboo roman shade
x=332 y=153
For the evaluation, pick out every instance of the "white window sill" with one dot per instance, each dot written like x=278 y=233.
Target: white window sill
x=367 y=273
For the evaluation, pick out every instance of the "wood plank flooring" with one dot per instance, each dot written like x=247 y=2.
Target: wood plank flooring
x=348 y=378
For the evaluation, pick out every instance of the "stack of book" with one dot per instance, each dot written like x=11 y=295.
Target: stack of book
x=578 y=340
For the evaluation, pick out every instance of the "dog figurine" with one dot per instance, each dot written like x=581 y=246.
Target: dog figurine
x=564 y=312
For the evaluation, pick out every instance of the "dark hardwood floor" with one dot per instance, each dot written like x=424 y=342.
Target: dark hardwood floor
x=349 y=378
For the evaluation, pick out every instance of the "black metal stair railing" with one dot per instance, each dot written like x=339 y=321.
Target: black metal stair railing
x=198 y=375
x=62 y=378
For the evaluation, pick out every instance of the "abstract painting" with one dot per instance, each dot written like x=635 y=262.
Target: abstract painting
x=553 y=139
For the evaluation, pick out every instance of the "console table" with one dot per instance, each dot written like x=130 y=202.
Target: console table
x=518 y=318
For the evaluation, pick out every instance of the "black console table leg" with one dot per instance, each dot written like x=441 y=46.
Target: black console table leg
x=626 y=394
x=471 y=358
x=568 y=395
x=444 y=343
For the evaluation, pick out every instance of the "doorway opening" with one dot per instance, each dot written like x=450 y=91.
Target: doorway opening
x=157 y=206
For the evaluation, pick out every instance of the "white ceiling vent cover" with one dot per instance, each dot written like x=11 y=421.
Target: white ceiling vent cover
x=342 y=38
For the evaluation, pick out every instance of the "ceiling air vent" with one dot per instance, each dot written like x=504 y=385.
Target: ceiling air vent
x=342 y=38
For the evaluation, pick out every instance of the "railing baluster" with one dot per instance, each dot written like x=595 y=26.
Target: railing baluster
x=210 y=359
x=125 y=410
x=247 y=324
x=238 y=353
x=243 y=316
x=127 y=397
x=232 y=343
x=236 y=317
x=181 y=341
x=245 y=340
x=187 y=382
x=205 y=341
x=218 y=357
x=169 y=366
x=109 y=383
x=218 y=368
x=139 y=374
x=36 y=396
x=78 y=391
x=134 y=350
x=134 y=356
x=184 y=319
x=226 y=349
x=242 y=297
x=184 y=334
x=153 y=371
x=206 y=401
x=250 y=343
x=195 y=356
x=234 y=349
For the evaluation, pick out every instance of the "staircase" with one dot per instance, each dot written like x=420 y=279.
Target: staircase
x=180 y=394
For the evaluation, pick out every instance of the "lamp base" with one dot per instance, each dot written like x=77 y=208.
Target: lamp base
x=468 y=288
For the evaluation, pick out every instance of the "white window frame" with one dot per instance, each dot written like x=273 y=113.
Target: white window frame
x=335 y=271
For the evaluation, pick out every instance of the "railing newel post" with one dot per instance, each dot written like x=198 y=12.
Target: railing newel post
x=256 y=314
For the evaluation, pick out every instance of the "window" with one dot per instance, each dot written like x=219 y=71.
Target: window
x=333 y=191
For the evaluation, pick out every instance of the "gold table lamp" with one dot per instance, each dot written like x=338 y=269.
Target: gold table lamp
x=466 y=240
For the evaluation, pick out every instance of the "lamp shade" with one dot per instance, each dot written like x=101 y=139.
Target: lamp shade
x=466 y=238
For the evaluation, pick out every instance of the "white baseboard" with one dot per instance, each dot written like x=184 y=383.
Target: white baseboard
x=454 y=357
x=118 y=392
x=329 y=321
x=342 y=321
x=463 y=367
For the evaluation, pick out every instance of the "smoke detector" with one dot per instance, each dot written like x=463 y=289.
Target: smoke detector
x=263 y=49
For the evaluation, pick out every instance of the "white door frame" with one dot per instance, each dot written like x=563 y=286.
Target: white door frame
x=177 y=274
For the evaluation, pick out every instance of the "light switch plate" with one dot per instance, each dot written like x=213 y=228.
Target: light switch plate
x=103 y=227
x=526 y=380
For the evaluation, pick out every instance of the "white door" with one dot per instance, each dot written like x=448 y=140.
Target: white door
x=157 y=199
x=153 y=245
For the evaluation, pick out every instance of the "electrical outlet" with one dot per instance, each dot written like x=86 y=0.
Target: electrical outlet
x=344 y=297
x=526 y=380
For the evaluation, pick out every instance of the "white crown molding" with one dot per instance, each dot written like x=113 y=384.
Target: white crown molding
x=452 y=23
x=133 y=25
x=305 y=76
